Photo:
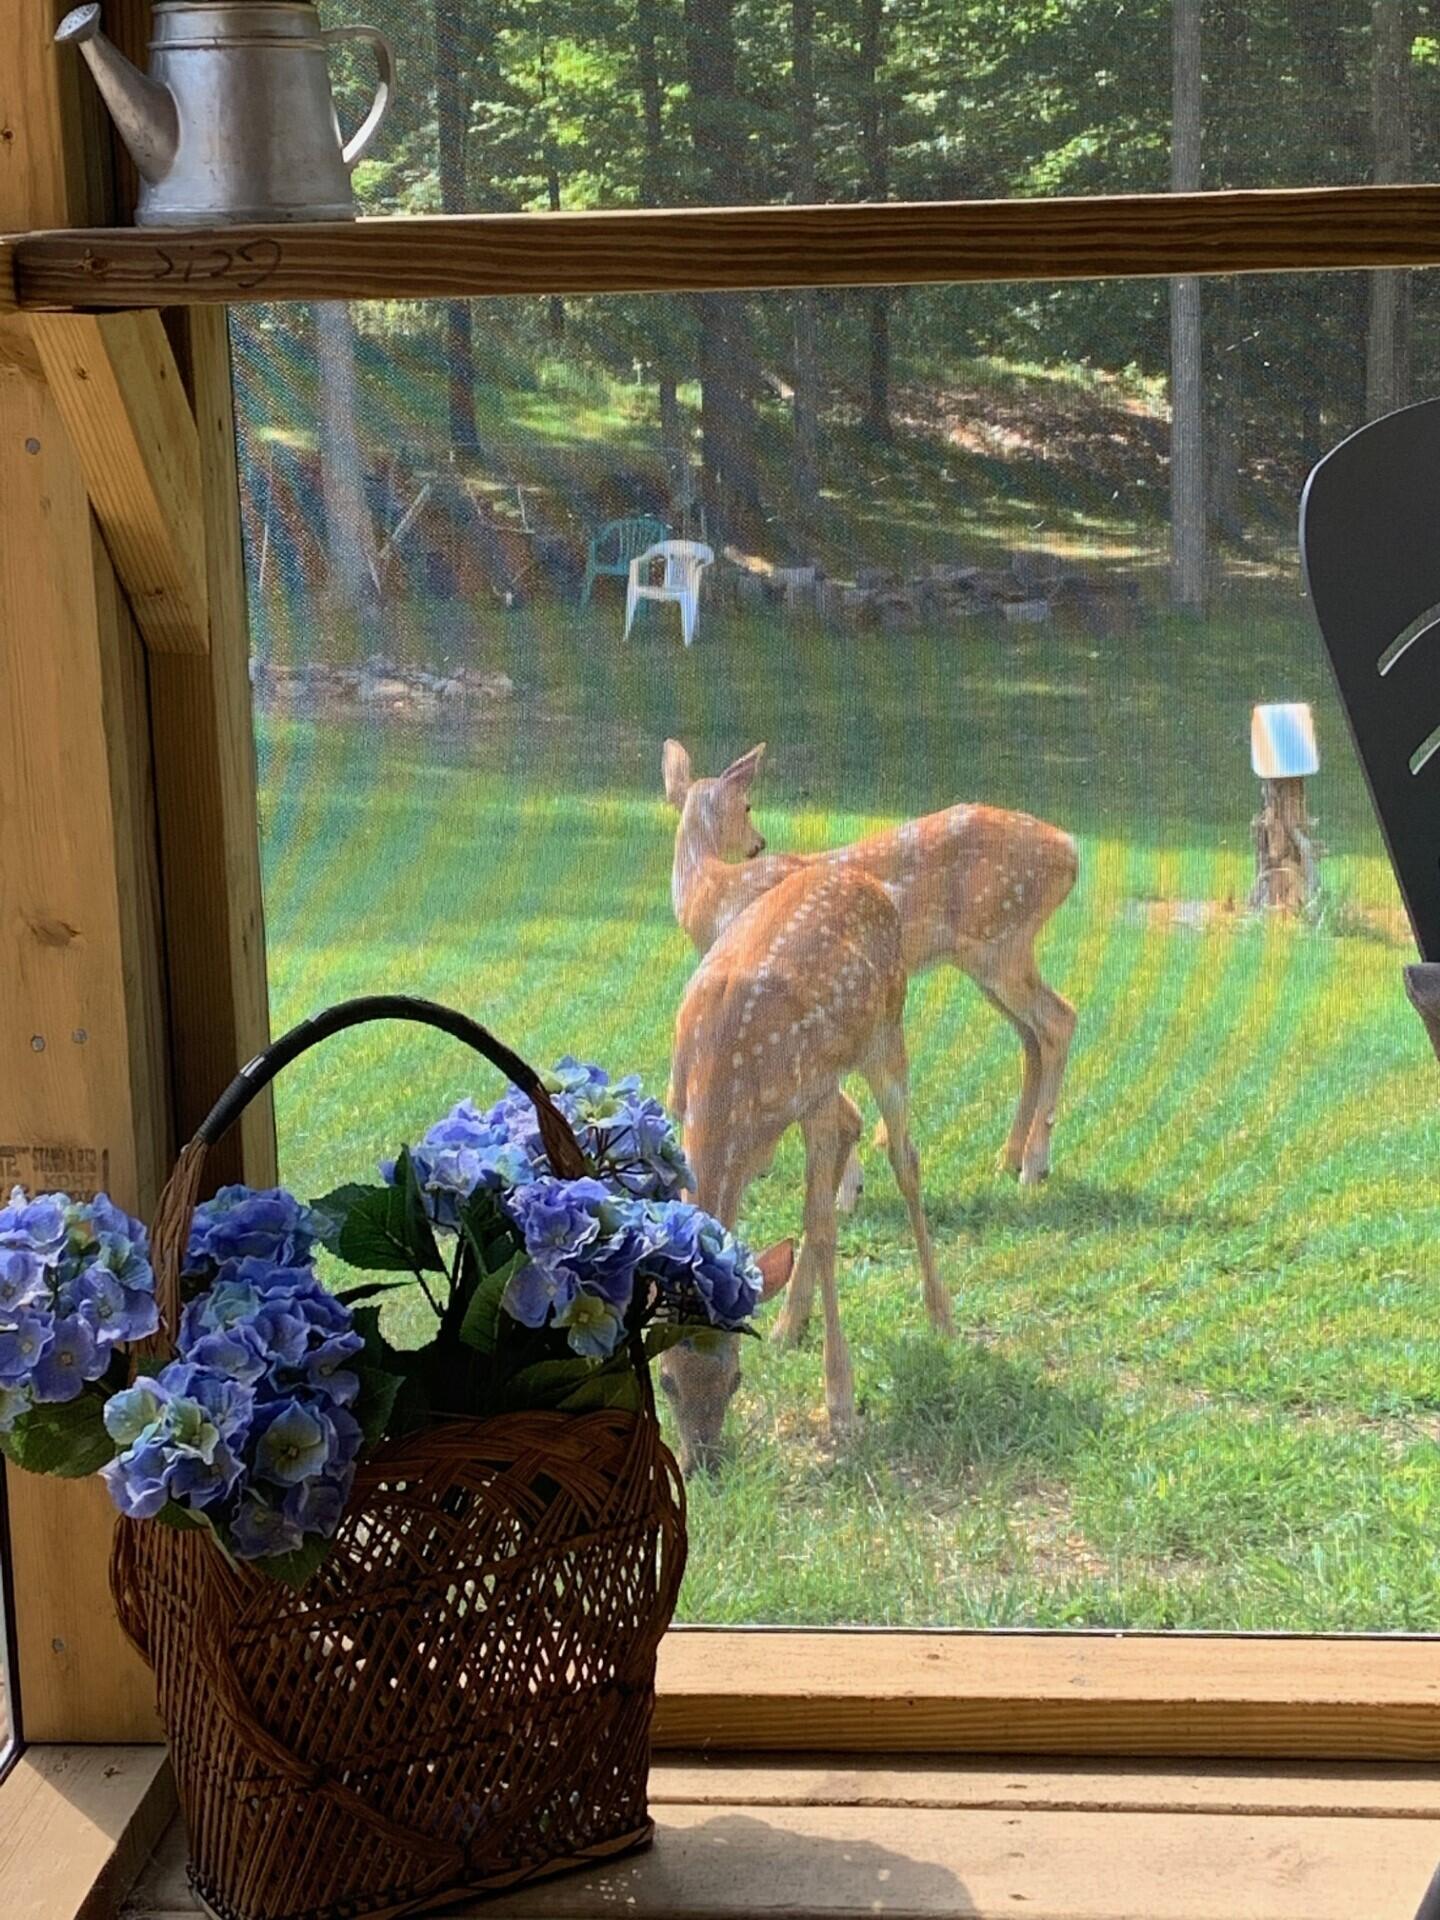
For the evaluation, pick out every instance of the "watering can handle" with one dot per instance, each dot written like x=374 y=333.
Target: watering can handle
x=355 y=147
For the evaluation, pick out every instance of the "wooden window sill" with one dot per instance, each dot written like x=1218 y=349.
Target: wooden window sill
x=77 y=1824
x=810 y=1839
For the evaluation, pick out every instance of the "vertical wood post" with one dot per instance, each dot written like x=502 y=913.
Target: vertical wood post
x=119 y=999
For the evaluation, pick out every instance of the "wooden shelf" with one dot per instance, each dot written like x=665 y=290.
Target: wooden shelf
x=689 y=250
x=835 y=1840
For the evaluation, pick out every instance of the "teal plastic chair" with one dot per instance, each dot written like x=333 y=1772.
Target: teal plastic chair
x=616 y=544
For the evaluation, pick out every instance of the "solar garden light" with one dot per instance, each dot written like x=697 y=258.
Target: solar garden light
x=1284 y=753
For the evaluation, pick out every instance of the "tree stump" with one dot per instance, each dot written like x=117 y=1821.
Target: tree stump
x=1287 y=855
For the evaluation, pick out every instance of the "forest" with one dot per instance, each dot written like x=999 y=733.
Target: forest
x=548 y=104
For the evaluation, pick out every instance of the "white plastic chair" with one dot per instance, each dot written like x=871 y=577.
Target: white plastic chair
x=685 y=561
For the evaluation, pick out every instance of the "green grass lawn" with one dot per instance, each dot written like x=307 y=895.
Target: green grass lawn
x=1197 y=1378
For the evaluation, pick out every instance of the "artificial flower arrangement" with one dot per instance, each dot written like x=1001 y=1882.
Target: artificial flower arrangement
x=545 y=1293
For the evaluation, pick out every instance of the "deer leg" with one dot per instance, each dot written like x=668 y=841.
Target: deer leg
x=794 y=1318
x=852 y=1177
x=889 y=1077
x=1055 y=1022
x=824 y=1160
x=1012 y=1154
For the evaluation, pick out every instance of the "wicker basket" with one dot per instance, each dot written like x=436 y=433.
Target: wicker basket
x=460 y=1698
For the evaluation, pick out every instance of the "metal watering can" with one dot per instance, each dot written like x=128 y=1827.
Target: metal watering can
x=235 y=121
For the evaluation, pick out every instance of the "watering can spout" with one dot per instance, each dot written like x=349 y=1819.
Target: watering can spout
x=143 y=110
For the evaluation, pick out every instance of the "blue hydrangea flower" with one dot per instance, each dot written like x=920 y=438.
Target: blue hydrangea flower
x=174 y=1433
x=325 y=1367
x=24 y=1281
x=13 y=1402
x=295 y=1444
x=259 y=1529
x=316 y=1506
x=237 y=1352
x=462 y=1152
x=534 y=1292
x=592 y=1325
x=253 y=1412
x=560 y=1218
x=23 y=1344
x=696 y=1263
x=35 y=1226
x=112 y=1311
x=241 y=1224
x=137 y=1481
x=75 y=1280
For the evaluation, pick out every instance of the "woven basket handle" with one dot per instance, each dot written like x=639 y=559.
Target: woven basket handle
x=170 y=1237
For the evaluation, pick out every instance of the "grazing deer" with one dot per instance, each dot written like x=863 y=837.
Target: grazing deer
x=973 y=886
x=804 y=988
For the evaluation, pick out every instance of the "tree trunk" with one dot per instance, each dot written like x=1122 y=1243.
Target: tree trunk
x=1225 y=318
x=1188 y=544
x=652 y=194
x=729 y=372
x=1387 y=372
x=805 y=403
x=875 y=147
x=452 y=117
x=555 y=306
x=351 y=584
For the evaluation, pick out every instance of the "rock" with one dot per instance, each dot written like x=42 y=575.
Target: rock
x=1000 y=584
x=868 y=579
x=796 y=584
x=1027 y=613
x=1035 y=572
x=747 y=589
x=830 y=599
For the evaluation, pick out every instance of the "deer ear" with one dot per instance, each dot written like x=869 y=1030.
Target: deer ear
x=675 y=764
x=742 y=771
x=776 y=1265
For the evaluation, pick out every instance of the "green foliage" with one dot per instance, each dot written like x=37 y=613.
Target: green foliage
x=66 y=1438
x=384 y=1229
x=480 y=1326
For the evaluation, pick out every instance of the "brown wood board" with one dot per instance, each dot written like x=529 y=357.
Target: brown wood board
x=1220 y=1697
x=685 y=250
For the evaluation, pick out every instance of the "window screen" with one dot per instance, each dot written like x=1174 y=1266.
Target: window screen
x=1007 y=565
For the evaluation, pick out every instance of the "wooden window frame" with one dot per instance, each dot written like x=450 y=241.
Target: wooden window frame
x=183 y=986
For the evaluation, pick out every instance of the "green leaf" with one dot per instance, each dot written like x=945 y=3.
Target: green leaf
x=548 y=1383
x=352 y=1296
x=487 y=1230
x=660 y=1340
x=335 y=1207
x=67 y=1438
x=294 y=1569
x=611 y=1387
x=376 y=1401
x=386 y=1230
x=480 y=1327
x=172 y=1514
